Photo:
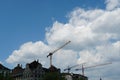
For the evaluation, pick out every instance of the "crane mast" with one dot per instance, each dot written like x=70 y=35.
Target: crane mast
x=51 y=53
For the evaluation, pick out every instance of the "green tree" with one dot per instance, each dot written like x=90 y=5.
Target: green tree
x=53 y=76
x=5 y=77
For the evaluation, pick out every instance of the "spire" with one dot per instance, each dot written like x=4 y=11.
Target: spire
x=37 y=60
x=100 y=78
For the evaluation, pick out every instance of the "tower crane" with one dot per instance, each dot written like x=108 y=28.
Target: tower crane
x=69 y=68
x=51 y=53
x=91 y=67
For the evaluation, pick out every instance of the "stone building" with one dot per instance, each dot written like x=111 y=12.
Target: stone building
x=4 y=71
x=52 y=73
x=53 y=69
x=79 y=77
x=71 y=76
x=33 y=71
x=17 y=72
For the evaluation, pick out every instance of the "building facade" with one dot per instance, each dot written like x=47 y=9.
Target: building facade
x=17 y=72
x=69 y=76
x=4 y=71
x=33 y=71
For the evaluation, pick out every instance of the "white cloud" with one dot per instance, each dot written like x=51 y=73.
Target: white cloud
x=112 y=4
x=38 y=50
x=65 y=58
x=28 y=52
x=108 y=22
x=94 y=36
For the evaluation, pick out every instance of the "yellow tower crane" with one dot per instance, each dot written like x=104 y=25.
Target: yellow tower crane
x=51 y=53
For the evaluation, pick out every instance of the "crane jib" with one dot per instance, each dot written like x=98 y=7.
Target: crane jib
x=51 y=53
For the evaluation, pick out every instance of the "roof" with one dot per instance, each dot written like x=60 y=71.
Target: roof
x=3 y=67
x=33 y=65
x=79 y=75
x=17 y=69
x=53 y=69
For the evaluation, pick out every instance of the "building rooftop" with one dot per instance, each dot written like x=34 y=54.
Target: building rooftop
x=3 y=67
x=53 y=69
x=17 y=69
x=33 y=65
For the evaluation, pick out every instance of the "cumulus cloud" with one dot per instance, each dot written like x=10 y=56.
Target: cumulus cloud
x=38 y=50
x=94 y=36
x=112 y=4
x=29 y=51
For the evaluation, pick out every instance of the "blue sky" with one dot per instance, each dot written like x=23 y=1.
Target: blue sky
x=30 y=29
x=25 y=20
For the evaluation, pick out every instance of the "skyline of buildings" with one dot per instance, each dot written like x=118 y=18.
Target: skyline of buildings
x=35 y=71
